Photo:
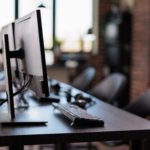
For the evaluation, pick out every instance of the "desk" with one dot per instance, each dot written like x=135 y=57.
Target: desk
x=119 y=125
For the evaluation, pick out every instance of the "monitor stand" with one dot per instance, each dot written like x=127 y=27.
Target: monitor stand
x=11 y=120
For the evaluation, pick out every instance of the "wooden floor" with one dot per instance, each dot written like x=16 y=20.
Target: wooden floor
x=99 y=145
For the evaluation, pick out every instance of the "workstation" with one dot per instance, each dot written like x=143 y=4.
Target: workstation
x=85 y=83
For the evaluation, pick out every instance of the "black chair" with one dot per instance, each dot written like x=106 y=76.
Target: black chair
x=85 y=79
x=140 y=107
x=110 y=88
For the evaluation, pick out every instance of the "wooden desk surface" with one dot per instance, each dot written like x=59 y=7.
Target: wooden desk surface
x=119 y=125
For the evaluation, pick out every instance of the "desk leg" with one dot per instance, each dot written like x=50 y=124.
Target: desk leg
x=136 y=145
x=16 y=147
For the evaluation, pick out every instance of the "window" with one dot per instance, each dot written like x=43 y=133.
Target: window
x=73 y=20
x=7 y=12
x=27 y=6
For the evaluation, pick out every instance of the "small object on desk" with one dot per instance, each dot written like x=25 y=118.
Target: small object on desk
x=80 y=96
x=56 y=87
x=78 y=115
x=80 y=102
x=68 y=96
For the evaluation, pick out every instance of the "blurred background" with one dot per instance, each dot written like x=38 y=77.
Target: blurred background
x=109 y=35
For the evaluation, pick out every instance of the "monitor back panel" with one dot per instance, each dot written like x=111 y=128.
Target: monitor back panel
x=28 y=36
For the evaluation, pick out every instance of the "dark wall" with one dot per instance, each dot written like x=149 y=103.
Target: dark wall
x=140 y=68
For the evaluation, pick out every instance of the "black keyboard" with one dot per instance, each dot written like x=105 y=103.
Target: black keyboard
x=78 y=115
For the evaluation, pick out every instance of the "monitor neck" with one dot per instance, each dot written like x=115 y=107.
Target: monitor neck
x=18 y=53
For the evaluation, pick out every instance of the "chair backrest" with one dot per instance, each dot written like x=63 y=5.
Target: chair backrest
x=110 y=87
x=141 y=106
x=85 y=79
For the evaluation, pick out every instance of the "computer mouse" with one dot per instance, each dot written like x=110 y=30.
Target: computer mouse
x=81 y=103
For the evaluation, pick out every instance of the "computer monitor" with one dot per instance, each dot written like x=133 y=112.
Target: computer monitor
x=9 y=29
x=29 y=37
x=16 y=77
x=30 y=56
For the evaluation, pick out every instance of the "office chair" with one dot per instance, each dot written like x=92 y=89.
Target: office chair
x=85 y=79
x=110 y=88
x=140 y=107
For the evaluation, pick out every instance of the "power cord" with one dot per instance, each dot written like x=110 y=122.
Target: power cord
x=2 y=101
x=22 y=90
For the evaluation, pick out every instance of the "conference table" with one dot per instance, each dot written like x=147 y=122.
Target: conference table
x=119 y=125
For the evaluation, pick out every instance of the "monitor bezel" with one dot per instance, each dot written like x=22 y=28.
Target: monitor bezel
x=42 y=50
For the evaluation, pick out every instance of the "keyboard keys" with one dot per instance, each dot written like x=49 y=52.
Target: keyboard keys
x=78 y=115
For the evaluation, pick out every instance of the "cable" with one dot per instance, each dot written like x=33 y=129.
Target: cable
x=24 y=78
x=2 y=101
x=26 y=87
x=22 y=90
x=14 y=94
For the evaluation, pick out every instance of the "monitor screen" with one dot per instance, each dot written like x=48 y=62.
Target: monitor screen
x=29 y=37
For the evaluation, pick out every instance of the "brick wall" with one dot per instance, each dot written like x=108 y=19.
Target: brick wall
x=98 y=61
x=140 y=74
x=140 y=67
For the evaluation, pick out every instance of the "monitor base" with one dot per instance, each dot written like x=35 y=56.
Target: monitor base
x=24 y=117
x=49 y=99
x=23 y=123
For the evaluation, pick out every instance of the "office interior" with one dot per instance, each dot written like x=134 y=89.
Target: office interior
x=111 y=36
